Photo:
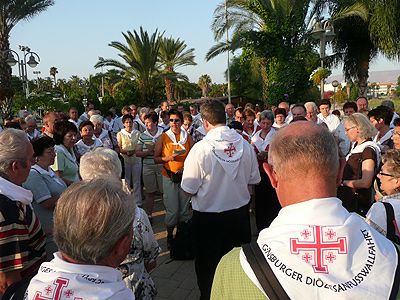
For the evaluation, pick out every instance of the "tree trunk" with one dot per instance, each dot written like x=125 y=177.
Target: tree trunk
x=362 y=76
x=169 y=89
x=264 y=79
x=6 y=92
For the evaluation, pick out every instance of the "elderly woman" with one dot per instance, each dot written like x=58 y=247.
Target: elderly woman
x=249 y=128
x=31 y=130
x=266 y=201
x=107 y=137
x=141 y=259
x=171 y=150
x=127 y=140
x=152 y=178
x=65 y=164
x=396 y=134
x=389 y=177
x=45 y=186
x=362 y=163
x=87 y=141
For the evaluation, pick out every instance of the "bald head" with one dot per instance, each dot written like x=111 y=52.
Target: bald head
x=304 y=149
x=284 y=105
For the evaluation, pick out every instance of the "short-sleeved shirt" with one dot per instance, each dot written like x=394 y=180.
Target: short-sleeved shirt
x=63 y=164
x=82 y=148
x=143 y=140
x=168 y=148
x=43 y=187
x=22 y=239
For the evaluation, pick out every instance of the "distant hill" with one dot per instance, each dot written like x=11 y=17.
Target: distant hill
x=374 y=76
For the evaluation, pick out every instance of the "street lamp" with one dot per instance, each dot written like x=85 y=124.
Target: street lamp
x=335 y=84
x=22 y=63
x=37 y=73
x=227 y=41
x=102 y=78
x=324 y=32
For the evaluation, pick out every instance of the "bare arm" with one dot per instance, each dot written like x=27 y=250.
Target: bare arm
x=140 y=153
x=7 y=279
x=49 y=203
x=368 y=172
x=60 y=174
x=158 y=158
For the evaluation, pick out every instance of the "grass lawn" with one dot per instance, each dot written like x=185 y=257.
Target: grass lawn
x=376 y=102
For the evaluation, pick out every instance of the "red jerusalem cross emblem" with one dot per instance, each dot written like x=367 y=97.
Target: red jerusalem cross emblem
x=230 y=150
x=321 y=250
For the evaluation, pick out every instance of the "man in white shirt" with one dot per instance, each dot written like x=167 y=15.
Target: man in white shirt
x=315 y=248
x=73 y=116
x=390 y=105
x=49 y=120
x=217 y=172
x=334 y=125
x=84 y=116
x=93 y=231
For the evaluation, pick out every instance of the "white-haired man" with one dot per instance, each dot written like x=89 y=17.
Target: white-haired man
x=93 y=231
x=315 y=249
x=22 y=243
x=217 y=173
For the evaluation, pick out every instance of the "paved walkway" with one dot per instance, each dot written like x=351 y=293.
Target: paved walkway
x=174 y=279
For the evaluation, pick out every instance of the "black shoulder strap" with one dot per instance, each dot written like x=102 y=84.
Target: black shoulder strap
x=263 y=272
x=396 y=281
x=390 y=230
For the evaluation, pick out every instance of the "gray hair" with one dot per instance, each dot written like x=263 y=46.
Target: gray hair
x=392 y=160
x=307 y=149
x=388 y=103
x=144 y=110
x=13 y=146
x=312 y=105
x=100 y=162
x=30 y=118
x=95 y=119
x=267 y=114
x=365 y=128
x=91 y=217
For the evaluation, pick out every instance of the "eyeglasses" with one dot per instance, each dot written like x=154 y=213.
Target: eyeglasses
x=175 y=120
x=347 y=129
x=385 y=174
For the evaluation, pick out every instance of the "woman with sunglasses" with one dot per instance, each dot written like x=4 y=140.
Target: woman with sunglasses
x=362 y=163
x=390 y=185
x=171 y=150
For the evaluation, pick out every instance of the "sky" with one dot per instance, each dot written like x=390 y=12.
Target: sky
x=72 y=34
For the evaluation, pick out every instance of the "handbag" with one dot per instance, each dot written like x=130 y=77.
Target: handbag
x=175 y=177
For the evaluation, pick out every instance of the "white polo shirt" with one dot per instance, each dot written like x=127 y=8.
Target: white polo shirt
x=331 y=121
x=214 y=190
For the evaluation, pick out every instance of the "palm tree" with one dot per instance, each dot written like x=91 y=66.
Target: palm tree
x=53 y=72
x=364 y=29
x=173 y=54
x=271 y=33
x=140 y=55
x=205 y=85
x=11 y=13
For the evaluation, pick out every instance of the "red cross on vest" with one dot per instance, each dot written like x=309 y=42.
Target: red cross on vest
x=60 y=284
x=230 y=150
x=318 y=246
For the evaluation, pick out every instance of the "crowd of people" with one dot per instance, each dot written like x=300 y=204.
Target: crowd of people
x=77 y=199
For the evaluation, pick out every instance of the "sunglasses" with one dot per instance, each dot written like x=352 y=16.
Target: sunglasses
x=175 y=120
x=386 y=174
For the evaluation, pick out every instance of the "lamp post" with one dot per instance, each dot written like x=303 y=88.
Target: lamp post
x=102 y=78
x=22 y=63
x=227 y=41
x=335 y=84
x=324 y=32
x=37 y=73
